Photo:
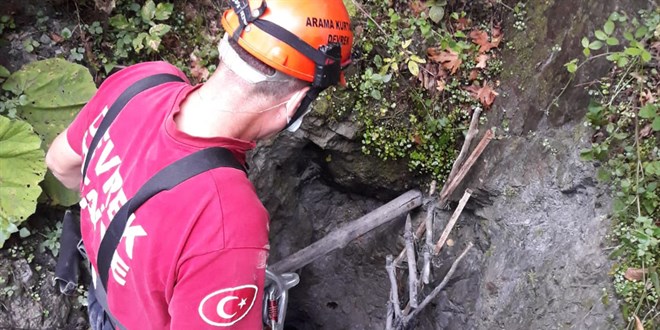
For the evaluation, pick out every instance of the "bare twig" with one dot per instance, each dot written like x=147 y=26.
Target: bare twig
x=390 y=316
x=394 y=293
x=472 y=132
x=412 y=263
x=432 y=188
x=452 y=221
x=369 y=16
x=426 y=269
x=440 y=286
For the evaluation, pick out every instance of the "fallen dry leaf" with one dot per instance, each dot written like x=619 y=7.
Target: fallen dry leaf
x=56 y=37
x=635 y=274
x=417 y=7
x=646 y=97
x=462 y=23
x=481 y=61
x=496 y=36
x=485 y=94
x=441 y=85
x=481 y=38
x=646 y=131
x=449 y=59
x=638 y=323
x=474 y=74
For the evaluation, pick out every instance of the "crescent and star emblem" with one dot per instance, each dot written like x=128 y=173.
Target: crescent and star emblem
x=225 y=307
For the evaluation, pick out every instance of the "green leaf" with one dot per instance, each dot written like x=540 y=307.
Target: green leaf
x=406 y=43
x=571 y=66
x=153 y=42
x=376 y=94
x=646 y=56
x=586 y=51
x=138 y=42
x=66 y=33
x=641 y=32
x=600 y=35
x=585 y=42
x=633 y=51
x=623 y=61
x=436 y=13
x=603 y=175
x=611 y=41
x=587 y=154
x=4 y=73
x=159 y=30
x=55 y=91
x=628 y=36
x=24 y=232
x=148 y=11
x=417 y=59
x=22 y=167
x=656 y=124
x=648 y=111
x=163 y=11
x=118 y=21
x=656 y=281
x=596 y=45
x=608 y=27
x=413 y=67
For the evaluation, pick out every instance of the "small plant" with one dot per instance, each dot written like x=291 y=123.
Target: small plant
x=143 y=30
x=625 y=116
x=52 y=240
x=6 y=23
x=424 y=73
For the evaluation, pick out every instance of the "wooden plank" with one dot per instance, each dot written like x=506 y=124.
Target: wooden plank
x=340 y=237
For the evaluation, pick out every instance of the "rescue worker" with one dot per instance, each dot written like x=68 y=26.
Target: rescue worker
x=194 y=257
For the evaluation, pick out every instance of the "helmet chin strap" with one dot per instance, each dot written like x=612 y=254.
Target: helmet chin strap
x=311 y=95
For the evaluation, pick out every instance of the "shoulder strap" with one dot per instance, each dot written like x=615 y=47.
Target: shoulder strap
x=120 y=103
x=166 y=179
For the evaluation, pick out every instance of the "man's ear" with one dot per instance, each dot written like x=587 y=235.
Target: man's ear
x=295 y=100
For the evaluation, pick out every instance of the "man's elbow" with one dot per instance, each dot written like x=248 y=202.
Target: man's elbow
x=68 y=176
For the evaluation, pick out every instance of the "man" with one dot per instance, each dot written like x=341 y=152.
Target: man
x=194 y=257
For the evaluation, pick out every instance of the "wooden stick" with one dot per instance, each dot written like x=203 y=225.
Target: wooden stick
x=452 y=221
x=428 y=245
x=466 y=167
x=394 y=293
x=412 y=263
x=342 y=236
x=451 y=185
x=440 y=286
x=472 y=132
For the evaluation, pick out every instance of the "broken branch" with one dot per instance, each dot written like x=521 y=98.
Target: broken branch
x=394 y=293
x=412 y=263
x=440 y=286
x=452 y=221
x=472 y=132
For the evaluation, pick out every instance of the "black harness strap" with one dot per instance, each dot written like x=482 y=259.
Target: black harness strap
x=120 y=103
x=166 y=179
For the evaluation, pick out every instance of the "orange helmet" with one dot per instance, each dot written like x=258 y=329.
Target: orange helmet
x=309 y=40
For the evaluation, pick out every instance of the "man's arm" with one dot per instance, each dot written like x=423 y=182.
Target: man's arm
x=64 y=162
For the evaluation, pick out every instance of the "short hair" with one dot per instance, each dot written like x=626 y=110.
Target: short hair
x=276 y=89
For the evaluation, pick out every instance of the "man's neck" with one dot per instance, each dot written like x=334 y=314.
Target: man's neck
x=215 y=110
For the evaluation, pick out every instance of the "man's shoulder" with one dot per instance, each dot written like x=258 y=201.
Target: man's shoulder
x=121 y=80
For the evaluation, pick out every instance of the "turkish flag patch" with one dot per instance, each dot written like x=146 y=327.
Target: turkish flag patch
x=225 y=307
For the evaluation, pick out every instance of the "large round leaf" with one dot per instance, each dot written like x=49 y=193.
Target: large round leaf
x=22 y=167
x=55 y=91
